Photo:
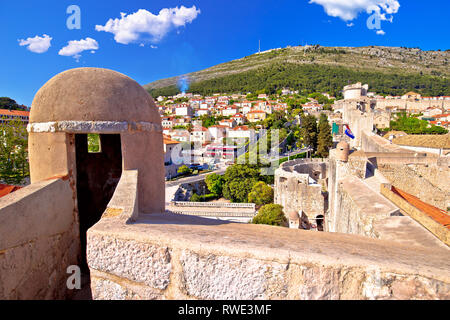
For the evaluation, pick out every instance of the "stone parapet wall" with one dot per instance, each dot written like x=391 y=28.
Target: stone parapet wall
x=39 y=239
x=439 y=230
x=371 y=142
x=430 y=183
x=182 y=257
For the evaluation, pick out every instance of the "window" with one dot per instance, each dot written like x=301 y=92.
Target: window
x=94 y=145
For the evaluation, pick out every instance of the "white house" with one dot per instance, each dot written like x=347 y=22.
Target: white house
x=202 y=112
x=217 y=133
x=229 y=111
x=239 y=118
x=167 y=122
x=180 y=135
x=230 y=123
x=200 y=134
x=240 y=132
x=184 y=110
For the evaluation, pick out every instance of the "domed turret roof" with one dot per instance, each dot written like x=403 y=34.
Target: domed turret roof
x=293 y=215
x=343 y=145
x=93 y=94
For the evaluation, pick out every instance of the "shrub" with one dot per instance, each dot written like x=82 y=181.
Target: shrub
x=271 y=214
x=184 y=170
x=203 y=198
x=261 y=194
x=215 y=183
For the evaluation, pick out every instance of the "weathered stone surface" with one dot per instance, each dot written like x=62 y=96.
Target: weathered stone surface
x=319 y=283
x=43 y=242
x=378 y=285
x=107 y=289
x=28 y=212
x=430 y=183
x=222 y=277
x=299 y=186
x=140 y=262
x=218 y=260
x=37 y=269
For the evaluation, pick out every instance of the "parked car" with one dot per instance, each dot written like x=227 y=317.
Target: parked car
x=196 y=166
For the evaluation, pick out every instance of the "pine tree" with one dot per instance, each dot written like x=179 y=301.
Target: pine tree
x=324 y=139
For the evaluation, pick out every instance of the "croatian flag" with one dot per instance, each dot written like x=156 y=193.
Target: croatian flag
x=349 y=132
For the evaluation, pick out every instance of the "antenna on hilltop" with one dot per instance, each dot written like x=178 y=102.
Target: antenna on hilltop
x=259 y=47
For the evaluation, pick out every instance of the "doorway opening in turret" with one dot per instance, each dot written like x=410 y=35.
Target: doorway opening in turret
x=99 y=167
x=320 y=222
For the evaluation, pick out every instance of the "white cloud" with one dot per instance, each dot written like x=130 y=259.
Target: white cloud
x=348 y=10
x=351 y=24
x=75 y=47
x=133 y=27
x=37 y=44
x=381 y=32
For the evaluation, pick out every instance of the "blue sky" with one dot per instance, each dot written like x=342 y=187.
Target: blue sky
x=213 y=32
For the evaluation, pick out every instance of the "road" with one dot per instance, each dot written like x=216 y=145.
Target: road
x=172 y=186
x=193 y=178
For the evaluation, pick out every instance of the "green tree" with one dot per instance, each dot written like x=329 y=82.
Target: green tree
x=308 y=131
x=215 y=183
x=14 y=166
x=93 y=142
x=239 y=180
x=271 y=214
x=261 y=194
x=184 y=170
x=412 y=125
x=324 y=138
x=196 y=198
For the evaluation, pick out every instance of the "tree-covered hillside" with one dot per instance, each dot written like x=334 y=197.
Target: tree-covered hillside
x=387 y=70
x=315 y=78
x=8 y=103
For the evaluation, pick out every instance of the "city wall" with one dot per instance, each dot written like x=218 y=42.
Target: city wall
x=430 y=183
x=436 y=228
x=39 y=240
x=183 y=257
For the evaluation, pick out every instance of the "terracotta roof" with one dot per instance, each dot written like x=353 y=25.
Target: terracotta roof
x=169 y=140
x=7 y=112
x=424 y=140
x=257 y=111
x=241 y=128
x=293 y=215
x=436 y=214
x=199 y=129
x=7 y=189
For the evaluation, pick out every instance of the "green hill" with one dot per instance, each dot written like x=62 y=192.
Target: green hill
x=387 y=70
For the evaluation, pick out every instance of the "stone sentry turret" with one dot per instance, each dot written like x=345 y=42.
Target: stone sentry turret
x=342 y=151
x=84 y=101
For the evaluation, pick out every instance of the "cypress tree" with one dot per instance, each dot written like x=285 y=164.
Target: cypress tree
x=324 y=139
